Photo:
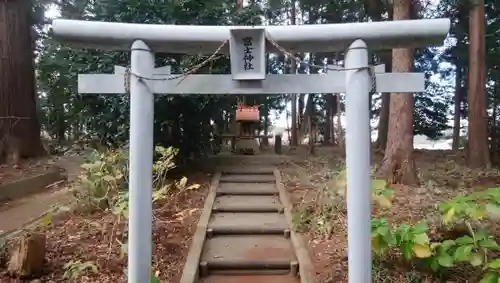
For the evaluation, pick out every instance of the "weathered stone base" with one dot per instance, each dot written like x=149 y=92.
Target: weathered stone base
x=247 y=146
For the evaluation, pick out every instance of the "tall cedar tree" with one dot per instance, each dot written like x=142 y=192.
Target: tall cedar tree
x=398 y=165
x=478 y=152
x=19 y=126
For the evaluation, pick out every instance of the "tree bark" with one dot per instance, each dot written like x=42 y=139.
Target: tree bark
x=310 y=103
x=398 y=165
x=18 y=114
x=265 y=140
x=333 y=106
x=383 y=124
x=288 y=127
x=28 y=256
x=301 y=106
x=478 y=155
x=307 y=114
x=61 y=125
x=460 y=77
x=293 y=70
x=375 y=10
x=218 y=130
x=493 y=132
x=328 y=119
x=293 y=126
x=340 y=131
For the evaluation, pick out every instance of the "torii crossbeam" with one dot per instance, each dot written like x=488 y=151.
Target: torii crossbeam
x=332 y=82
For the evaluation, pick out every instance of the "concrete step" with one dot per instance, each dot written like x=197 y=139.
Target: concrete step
x=247 y=189
x=248 y=252
x=247 y=178
x=248 y=170
x=248 y=223
x=250 y=279
x=232 y=203
x=246 y=238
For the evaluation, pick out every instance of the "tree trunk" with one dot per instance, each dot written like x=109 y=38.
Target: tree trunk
x=218 y=130
x=340 y=131
x=288 y=127
x=293 y=70
x=383 y=124
x=493 y=132
x=478 y=138
x=333 y=106
x=265 y=140
x=28 y=256
x=310 y=102
x=18 y=114
x=300 y=111
x=293 y=126
x=458 y=101
x=398 y=165
x=328 y=119
x=235 y=129
x=307 y=114
x=374 y=9
x=61 y=125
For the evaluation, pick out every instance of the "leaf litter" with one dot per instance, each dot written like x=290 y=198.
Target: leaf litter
x=310 y=182
x=91 y=242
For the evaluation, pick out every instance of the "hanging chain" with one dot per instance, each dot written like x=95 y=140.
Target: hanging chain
x=170 y=77
x=126 y=80
x=215 y=56
x=373 y=88
x=370 y=68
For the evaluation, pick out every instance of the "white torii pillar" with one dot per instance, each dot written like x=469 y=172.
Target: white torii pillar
x=141 y=149
x=354 y=80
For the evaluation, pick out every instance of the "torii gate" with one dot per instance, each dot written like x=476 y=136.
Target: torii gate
x=247 y=49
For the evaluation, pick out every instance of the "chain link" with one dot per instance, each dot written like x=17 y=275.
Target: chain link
x=215 y=56
x=126 y=80
x=370 y=68
x=373 y=77
x=170 y=77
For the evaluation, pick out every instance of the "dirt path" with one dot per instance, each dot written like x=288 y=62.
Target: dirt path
x=244 y=234
x=16 y=214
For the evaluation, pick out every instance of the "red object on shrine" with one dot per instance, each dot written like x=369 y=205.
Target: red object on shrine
x=247 y=113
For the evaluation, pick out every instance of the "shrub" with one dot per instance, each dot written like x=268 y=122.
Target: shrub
x=478 y=248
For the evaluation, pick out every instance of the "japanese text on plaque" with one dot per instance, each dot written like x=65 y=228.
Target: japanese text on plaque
x=248 y=53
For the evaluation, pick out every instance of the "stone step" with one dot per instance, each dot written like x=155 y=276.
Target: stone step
x=248 y=170
x=247 y=189
x=248 y=252
x=248 y=223
x=247 y=178
x=235 y=203
x=250 y=279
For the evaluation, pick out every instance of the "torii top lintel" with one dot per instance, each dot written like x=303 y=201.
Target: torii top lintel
x=206 y=39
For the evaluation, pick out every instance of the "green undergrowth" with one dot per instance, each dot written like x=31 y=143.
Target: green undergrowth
x=461 y=244
x=317 y=215
x=103 y=186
